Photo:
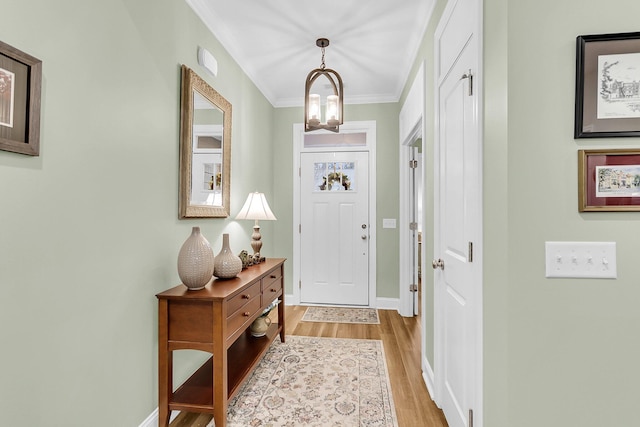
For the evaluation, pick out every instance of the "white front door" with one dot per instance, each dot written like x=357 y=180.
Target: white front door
x=334 y=228
x=458 y=220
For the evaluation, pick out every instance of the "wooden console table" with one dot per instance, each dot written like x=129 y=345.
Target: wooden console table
x=216 y=320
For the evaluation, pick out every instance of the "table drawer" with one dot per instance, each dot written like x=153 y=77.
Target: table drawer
x=272 y=282
x=272 y=290
x=240 y=320
x=237 y=302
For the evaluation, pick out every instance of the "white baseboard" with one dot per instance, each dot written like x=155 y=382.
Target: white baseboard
x=382 y=303
x=388 y=303
x=152 y=420
x=427 y=376
x=290 y=300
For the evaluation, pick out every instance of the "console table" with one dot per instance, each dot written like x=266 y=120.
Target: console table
x=216 y=320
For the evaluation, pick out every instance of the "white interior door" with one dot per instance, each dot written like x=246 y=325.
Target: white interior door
x=458 y=222
x=334 y=228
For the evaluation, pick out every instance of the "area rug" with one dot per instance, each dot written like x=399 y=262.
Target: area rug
x=341 y=315
x=317 y=382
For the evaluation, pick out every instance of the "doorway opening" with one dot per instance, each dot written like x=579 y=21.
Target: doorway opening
x=411 y=230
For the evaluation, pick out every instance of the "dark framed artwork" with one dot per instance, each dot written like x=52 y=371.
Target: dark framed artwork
x=607 y=86
x=20 y=86
x=609 y=180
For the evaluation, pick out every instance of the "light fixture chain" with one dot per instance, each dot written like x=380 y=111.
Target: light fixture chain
x=322 y=65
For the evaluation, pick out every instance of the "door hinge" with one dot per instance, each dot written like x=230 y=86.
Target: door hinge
x=413 y=226
x=299 y=171
x=299 y=284
x=470 y=257
x=413 y=288
x=470 y=418
x=299 y=228
x=413 y=164
x=470 y=77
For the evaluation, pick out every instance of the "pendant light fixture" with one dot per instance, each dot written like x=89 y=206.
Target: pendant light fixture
x=334 y=103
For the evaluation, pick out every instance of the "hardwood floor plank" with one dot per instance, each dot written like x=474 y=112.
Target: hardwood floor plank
x=401 y=340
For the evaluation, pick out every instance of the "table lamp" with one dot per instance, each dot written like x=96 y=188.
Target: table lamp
x=256 y=208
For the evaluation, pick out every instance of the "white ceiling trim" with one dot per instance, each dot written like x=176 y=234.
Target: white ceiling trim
x=217 y=28
x=375 y=49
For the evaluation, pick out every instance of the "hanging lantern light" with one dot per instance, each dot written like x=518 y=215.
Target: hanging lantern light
x=334 y=103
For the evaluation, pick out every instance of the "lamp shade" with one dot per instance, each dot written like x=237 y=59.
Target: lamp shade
x=332 y=109
x=256 y=207
x=314 y=107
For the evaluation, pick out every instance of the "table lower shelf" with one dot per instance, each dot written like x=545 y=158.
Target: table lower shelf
x=196 y=393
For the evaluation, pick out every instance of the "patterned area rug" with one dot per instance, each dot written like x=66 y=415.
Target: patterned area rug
x=317 y=382
x=341 y=315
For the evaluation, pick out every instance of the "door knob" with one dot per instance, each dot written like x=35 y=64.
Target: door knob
x=438 y=263
x=364 y=237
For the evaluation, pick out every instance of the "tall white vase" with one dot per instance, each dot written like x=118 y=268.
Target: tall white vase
x=195 y=261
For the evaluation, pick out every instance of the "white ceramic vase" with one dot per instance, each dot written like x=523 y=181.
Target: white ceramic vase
x=195 y=261
x=227 y=265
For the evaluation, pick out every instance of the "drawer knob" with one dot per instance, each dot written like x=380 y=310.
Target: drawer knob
x=274 y=290
x=246 y=296
x=273 y=276
x=246 y=314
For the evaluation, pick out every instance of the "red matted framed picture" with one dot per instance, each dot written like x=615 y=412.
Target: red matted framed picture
x=20 y=86
x=609 y=180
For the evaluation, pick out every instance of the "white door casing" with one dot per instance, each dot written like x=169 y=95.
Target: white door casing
x=411 y=128
x=334 y=218
x=368 y=128
x=458 y=214
x=408 y=235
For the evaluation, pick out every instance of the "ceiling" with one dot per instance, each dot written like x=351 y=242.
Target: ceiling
x=372 y=43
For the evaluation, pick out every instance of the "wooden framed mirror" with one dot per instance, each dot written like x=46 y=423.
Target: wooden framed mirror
x=205 y=149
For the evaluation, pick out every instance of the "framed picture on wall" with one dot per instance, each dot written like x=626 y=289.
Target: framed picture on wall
x=20 y=86
x=609 y=180
x=607 y=86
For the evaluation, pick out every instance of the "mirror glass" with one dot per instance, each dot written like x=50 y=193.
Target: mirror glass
x=205 y=149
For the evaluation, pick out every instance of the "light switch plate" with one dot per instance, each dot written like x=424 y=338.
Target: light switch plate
x=581 y=259
x=389 y=223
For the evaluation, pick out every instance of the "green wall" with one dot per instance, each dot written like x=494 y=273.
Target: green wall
x=573 y=345
x=89 y=231
x=387 y=181
x=497 y=252
x=557 y=352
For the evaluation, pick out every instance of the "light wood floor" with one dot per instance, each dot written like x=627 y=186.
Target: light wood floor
x=401 y=339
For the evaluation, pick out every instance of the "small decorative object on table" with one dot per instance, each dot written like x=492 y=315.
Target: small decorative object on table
x=247 y=260
x=261 y=324
x=195 y=261
x=227 y=265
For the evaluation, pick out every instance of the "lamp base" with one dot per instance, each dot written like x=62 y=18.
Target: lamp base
x=256 y=242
